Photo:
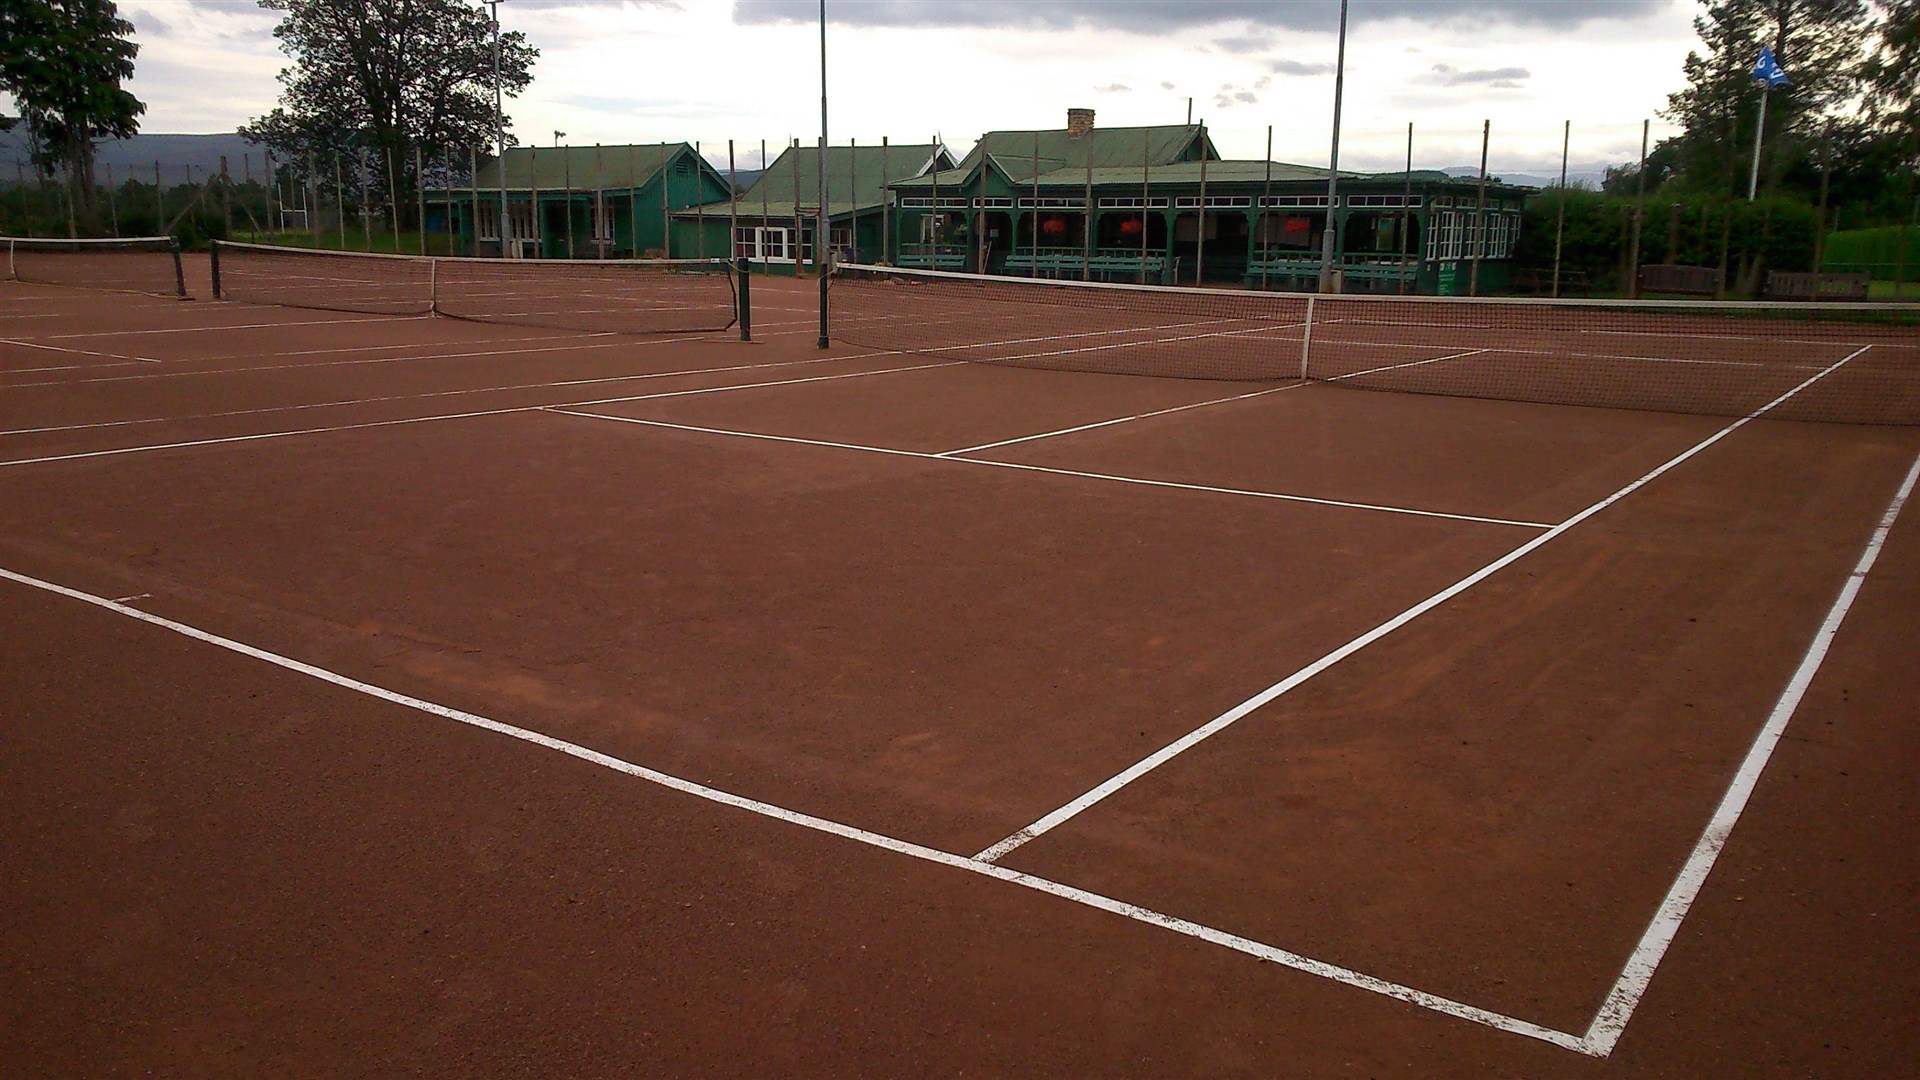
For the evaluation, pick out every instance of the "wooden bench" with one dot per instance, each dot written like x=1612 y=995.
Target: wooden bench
x=1682 y=280
x=945 y=260
x=1535 y=280
x=1069 y=266
x=1380 y=273
x=1798 y=286
x=1284 y=272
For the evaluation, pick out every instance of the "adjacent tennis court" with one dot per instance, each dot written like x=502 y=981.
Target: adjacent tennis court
x=433 y=659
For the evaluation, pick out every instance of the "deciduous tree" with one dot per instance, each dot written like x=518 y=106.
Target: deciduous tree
x=63 y=62
x=387 y=76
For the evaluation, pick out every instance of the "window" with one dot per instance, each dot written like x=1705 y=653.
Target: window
x=1134 y=203
x=1221 y=202
x=1391 y=201
x=760 y=243
x=1295 y=200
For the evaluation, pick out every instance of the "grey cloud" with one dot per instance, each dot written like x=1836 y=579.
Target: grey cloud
x=1156 y=16
x=147 y=24
x=1166 y=86
x=1295 y=67
x=1113 y=88
x=1230 y=96
x=1506 y=78
x=1250 y=43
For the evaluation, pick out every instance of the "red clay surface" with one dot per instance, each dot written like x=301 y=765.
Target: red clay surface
x=226 y=868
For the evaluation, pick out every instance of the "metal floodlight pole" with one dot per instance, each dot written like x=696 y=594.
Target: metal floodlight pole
x=499 y=131
x=1759 y=137
x=822 y=236
x=1329 y=281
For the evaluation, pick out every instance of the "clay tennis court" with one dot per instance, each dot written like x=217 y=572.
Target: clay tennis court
x=403 y=695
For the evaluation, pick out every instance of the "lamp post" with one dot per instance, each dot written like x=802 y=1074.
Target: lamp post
x=822 y=228
x=1329 y=280
x=499 y=127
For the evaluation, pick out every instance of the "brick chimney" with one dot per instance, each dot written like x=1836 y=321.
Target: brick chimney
x=1079 y=122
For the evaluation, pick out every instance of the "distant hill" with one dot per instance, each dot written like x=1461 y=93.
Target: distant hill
x=136 y=156
x=178 y=153
x=1589 y=174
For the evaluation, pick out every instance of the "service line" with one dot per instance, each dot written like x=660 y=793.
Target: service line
x=1048 y=470
x=1053 y=819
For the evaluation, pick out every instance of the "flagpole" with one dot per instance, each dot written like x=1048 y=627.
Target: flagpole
x=1759 y=133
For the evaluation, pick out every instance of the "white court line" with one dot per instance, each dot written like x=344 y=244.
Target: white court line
x=340 y=403
x=1055 y=818
x=1147 y=916
x=1409 y=364
x=261 y=436
x=1119 y=420
x=575 y=345
x=1627 y=991
x=76 y=352
x=1110 y=477
x=227 y=326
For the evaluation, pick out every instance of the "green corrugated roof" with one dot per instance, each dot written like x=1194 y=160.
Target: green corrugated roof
x=1013 y=151
x=1179 y=172
x=582 y=168
x=847 y=166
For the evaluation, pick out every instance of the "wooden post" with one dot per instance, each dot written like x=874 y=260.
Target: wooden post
x=1146 y=191
x=1086 y=226
x=420 y=193
x=853 y=189
x=699 y=204
x=1266 y=196
x=1639 y=215
x=226 y=197
x=766 y=209
x=1034 y=270
x=1820 y=228
x=1560 y=218
x=1406 y=214
x=473 y=194
x=1478 y=236
x=733 y=207
x=886 y=202
x=1200 y=235
x=666 y=205
x=113 y=209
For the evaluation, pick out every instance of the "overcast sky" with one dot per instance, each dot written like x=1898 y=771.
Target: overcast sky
x=641 y=71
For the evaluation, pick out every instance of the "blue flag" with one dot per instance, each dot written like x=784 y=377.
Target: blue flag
x=1768 y=70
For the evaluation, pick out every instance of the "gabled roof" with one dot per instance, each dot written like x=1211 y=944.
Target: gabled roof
x=584 y=168
x=854 y=177
x=1018 y=155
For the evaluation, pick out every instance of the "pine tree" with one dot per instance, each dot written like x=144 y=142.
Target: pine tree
x=1816 y=41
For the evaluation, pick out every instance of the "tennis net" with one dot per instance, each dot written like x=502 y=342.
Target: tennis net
x=145 y=264
x=1861 y=361
x=636 y=296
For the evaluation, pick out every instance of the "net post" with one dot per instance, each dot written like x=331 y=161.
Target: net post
x=14 y=275
x=1306 y=338
x=213 y=253
x=744 y=277
x=179 y=271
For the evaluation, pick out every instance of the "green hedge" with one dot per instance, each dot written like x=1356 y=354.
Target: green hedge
x=1746 y=239
x=1874 y=251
